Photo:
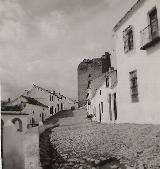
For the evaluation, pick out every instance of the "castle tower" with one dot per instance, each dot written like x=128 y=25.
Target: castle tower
x=90 y=70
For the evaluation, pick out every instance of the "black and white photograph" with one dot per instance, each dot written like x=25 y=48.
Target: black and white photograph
x=80 y=84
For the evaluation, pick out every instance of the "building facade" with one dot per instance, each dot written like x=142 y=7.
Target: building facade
x=137 y=46
x=90 y=70
x=101 y=98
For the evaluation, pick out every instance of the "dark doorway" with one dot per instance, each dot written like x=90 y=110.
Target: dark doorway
x=110 y=109
x=61 y=106
x=18 y=124
x=115 y=106
x=42 y=117
x=100 y=113
x=2 y=124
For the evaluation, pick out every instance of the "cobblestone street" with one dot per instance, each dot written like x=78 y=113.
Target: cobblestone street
x=81 y=143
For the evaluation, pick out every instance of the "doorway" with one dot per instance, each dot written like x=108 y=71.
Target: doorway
x=110 y=107
x=100 y=118
x=115 y=106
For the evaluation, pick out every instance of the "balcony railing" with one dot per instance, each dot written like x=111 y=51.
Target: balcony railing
x=150 y=35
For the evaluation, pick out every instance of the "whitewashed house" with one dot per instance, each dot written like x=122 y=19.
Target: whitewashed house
x=36 y=111
x=137 y=47
x=41 y=103
x=101 y=98
x=54 y=100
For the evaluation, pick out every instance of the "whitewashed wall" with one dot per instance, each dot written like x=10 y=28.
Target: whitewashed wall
x=23 y=118
x=13 y=154
x=147 y=64
x=97 y=99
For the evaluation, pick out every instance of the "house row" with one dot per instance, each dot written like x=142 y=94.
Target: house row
x=35 y=105
x=131 y=94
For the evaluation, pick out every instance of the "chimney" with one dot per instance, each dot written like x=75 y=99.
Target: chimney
x=9 y=100
x=106 y=62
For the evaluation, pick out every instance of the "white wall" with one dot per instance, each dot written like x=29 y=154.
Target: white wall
x=147 y=64
x=13 y=154
x=38 y=110
x=23 y=118
x=97 y=99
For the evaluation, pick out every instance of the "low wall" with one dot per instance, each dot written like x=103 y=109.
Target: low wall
x=13 y=154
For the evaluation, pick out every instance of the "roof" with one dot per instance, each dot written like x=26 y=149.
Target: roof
x=98 y=82
x=13 y=113
x=48 y=91
x=12 y=108
x=128 y=14
x=34 y=101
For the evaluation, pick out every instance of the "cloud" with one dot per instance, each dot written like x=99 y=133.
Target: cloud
x=44 y=41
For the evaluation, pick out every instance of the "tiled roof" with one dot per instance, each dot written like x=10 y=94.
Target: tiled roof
x=12 y=108
x=13 y=113
x=98 y=82
x=48 y=91
x=128 y=14
x=34 y=101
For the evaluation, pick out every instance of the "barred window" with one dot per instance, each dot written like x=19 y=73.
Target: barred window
x=134 y=86
x=128 y=39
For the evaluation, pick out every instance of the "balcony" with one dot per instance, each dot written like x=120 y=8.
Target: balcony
x=150 y=35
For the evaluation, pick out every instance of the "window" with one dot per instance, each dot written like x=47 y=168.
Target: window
x=51 y=110
x=40 y=115
x=153 y=23
x=134 y=86
x=89 y=84
x=107 y=82
x=128 y=39
x=100 y=92
x=33 y=112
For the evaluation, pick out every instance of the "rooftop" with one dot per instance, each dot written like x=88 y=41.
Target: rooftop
x=128 y=14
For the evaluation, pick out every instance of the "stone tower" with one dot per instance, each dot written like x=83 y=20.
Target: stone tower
x=90 y=70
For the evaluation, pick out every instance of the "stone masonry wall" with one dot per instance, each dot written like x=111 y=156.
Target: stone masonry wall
x=90 y=70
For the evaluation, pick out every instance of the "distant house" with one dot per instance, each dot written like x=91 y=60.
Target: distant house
x=137 y=46
x=36 y=111
x=101 y=98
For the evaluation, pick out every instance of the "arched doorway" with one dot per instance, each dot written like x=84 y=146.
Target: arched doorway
x=18 y=124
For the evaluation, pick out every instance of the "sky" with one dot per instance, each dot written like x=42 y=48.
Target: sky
x=43 y=41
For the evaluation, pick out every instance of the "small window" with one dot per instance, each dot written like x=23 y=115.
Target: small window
x=128 y=39
x=40 y=115
x=134 y=86
x=107 y=82
x=100 y=92
x=33 y=112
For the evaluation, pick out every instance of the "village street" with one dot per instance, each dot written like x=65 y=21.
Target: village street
x=76 y=142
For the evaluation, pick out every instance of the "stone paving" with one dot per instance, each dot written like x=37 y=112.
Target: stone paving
x=83 y=144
